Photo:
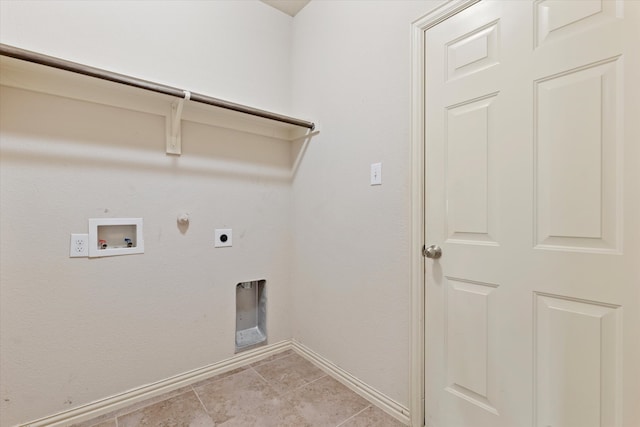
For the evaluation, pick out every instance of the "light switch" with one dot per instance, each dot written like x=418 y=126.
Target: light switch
x=376 y=174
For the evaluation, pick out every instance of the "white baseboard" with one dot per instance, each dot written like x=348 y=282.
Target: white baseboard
x=122 y=400
x=390 y=406
x=128 y=398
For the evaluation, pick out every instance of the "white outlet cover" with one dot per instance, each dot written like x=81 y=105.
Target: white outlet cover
x=223 y=237
x=79 y=245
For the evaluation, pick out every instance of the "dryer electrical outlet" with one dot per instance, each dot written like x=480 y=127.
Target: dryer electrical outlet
x=223 y=237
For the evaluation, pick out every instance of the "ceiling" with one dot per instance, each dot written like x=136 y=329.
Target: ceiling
x=290 y=7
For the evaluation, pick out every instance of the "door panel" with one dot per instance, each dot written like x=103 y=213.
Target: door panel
x=531 y=189
x=555 y=19
x=471 y=210
x=467 y=336
x=577 y=343
x=472 y=52
x=577 y=137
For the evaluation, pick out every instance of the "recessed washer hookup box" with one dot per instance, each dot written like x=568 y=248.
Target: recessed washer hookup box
x=251 y=314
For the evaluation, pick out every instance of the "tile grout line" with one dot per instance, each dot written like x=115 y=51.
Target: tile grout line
x=355 y=415
x=261 y=377
x=281 y=355
x=264 y=361
x=201 y=403
x=310 y=382
x=324 y=374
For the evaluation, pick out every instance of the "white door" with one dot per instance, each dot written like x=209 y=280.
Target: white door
x=532 y=113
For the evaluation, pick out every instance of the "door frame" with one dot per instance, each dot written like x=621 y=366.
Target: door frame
x=418 y=214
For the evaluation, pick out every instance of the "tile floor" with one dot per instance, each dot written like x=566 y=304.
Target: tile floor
x=282 y=390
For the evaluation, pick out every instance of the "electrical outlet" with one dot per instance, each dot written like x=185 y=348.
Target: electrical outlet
x=223 y=238
x=79 y=246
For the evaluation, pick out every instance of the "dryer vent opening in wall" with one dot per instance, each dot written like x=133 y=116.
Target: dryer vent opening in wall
x=251 y=314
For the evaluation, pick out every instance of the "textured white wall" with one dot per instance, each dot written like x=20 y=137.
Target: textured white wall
x=76 y=330
x=234 y=50
x=351 y=278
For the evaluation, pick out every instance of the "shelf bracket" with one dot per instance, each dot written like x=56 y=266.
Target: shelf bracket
x=174 y=134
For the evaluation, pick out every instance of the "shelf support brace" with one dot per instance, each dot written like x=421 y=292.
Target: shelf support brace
x=174 y=134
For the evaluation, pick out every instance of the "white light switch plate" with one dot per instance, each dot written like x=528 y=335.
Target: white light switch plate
x=376 y=174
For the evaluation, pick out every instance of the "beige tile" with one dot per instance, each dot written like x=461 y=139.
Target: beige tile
x=98 y=421
x=131 y=408
x=233 y=397
x=221 y=376
x=326 y=402
x=258 y=395
x=274 y=412
x=272 y=358
x=289 y=373
x=183 y=410
x=109 y=423
x=107 y=420
x=372 y=417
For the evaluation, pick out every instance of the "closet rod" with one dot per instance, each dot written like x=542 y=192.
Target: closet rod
x=74 y=67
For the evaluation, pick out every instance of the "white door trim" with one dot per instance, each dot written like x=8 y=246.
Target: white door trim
x=418 y=29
